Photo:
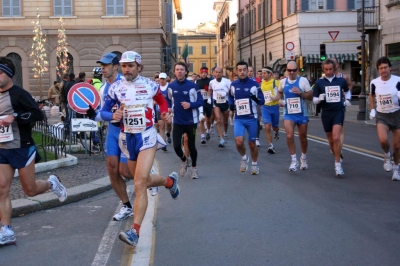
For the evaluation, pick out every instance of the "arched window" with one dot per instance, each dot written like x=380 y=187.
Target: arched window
x=17 y=79
x=119 y=54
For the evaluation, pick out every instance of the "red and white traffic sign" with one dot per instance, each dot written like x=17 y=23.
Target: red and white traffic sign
x=81 y=95
x=333 y=34
x=289 y=46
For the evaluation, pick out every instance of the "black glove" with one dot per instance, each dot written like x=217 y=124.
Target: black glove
x=91 y=113
x=254 y=98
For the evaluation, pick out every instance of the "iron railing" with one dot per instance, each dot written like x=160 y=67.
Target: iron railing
x=371 y=18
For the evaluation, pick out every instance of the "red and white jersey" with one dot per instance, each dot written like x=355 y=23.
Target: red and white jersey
x=137 y=99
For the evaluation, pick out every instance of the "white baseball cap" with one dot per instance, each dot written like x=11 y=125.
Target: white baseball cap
x=131 y=56
x=162 y=76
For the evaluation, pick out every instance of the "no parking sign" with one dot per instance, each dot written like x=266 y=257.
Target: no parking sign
x=81 y=95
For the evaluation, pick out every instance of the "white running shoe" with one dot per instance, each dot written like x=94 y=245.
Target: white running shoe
x=7 y=236
x=258 y=143
x=184 y=166
x=58 y=188
x=388 y=165
x=396 y=173
x=293 y=165
x=271 y=149
x=189 y=161
x=195 y=173
x=303 y=164
x=231 y=121
x=255 y=170
x=154 y=191
x=125 y=212
x=339 y=170
x=243 y=165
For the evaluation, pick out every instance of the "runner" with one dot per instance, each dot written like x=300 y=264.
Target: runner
x=203 y=83
x=135 y=97
x=219 y=89
x=385 y=90
x=294 y=90
x=246 y=95
x=270 y=110
x=186 y=98
x=117 y=166
x=250 y=75
x=328 y=91
x=164 y=128
x=17 y=149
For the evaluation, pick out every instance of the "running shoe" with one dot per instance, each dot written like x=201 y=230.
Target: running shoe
x=258 y=143
x=169 y=140
x=203 y=140
x=164 y=148
x=293 y=165
x=231 y=121
x=271 y=149
x=221 y=143
x=226 y=136
x=339 y=170
x=387 y=165
x=276 y=136
x=58 y=188
x=189 y=161
x=212 y=129
x=396 y=173
x=7 y=235
x=154 y=191
x=255 y=170
x=195 y=173
x=243 y=165
x=175 y=189
x=208 y=136
x=124 y=212
x=184 y=166
x=130 y=237
x=303 y=164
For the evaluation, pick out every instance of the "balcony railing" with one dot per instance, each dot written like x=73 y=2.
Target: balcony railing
x=371 y=18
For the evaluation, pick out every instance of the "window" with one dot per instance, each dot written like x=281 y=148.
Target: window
x=17 y=79
x=247 y=29
x=267 y=12
x=190 y=67
x=290 y=6
x=11 y=8
x=190 y=49
x=241 y=29
x=215 y=50
x=62 y=8
x=215 y=64
x=279 y=9
x=204 y=50
x=115 y=8
x=322 y=4
x=70 y=66
x=179 y=50
x=259 y=16
x=203 y=64
x=253 y=20
x=358 y=3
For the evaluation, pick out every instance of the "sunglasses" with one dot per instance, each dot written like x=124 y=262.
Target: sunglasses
x=291 y=70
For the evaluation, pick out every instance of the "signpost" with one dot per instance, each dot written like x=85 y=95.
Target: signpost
x=81 y=95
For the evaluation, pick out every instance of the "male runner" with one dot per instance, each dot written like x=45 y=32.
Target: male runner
x=135 y=97
x=247 y=95
x=250 y=75
x=294 y=90
x=385 y=90
x=219 y=89
x=186 y=98
x=328 y=91
x=116 y=161
x=203 y=83
x=270 y=110
x=17 y=149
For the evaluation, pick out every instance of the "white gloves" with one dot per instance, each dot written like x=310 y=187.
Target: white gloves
x=372 y=114
x=201 y=117
x=209 y=100
x=321 y=97
x=398 y=94
x=347 y=103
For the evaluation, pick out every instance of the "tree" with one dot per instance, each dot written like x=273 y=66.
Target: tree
x=62 y=51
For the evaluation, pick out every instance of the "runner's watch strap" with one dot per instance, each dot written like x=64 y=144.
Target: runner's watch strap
x=15 y=115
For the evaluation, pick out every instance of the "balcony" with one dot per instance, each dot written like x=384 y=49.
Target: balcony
x=371 y=18
x=393 y=3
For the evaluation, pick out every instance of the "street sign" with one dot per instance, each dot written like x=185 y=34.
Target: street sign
x=83 y=124
x=81 y=95
x=333 y=34
x=289 y=46
x=290 y=55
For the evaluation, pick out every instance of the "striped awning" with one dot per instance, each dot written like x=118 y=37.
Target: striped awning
x=314 y=58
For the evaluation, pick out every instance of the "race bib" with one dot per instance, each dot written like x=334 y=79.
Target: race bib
x=6 y=133
x=332 y=94
x=385 y=102
x=204 y=93
x=220 y=99
x=293 y=105
x=267 y=96
x=134 y=120
x=242 y=107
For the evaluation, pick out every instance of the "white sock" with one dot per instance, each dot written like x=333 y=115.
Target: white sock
x=338 y=164
x=202 y=135
x=294 y=157
x=244 y=158
x=303 y=156
x=254 y=163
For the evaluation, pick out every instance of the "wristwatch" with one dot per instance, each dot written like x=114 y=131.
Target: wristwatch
x=15 y=115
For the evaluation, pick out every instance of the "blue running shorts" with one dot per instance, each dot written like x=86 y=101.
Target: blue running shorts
x=298 y=119
x=111 y=145
x=20 y=157
x=270 y=115
x=251 y=125
x=331 y=118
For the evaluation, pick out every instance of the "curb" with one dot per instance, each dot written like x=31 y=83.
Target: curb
x=50 y=165
x=49 y=200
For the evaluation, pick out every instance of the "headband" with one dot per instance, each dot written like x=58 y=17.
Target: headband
x=7 y=70
x=267 y=70
x=203 y=70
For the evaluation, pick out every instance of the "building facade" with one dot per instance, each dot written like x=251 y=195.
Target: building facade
x=202 y=44
x=93 y=28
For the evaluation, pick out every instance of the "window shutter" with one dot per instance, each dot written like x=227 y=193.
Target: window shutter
x=330 y=4
x=278 y=9
x=350 y=4
x=168 y=17
x=304 y=5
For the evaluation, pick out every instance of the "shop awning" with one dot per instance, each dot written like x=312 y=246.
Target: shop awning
x=314 y=58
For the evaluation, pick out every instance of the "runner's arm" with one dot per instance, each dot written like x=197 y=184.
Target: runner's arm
x=161 y=101
x=31 y=111
x=105 y=111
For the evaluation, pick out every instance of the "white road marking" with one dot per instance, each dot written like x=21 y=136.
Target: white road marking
x=111 y=233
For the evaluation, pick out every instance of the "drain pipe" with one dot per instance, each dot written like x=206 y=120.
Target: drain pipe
x=283 y=32
x=137 y=14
